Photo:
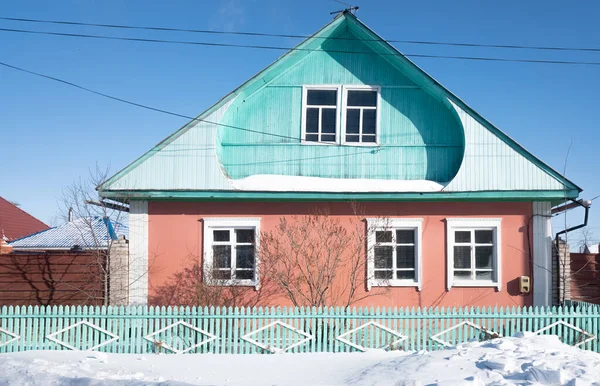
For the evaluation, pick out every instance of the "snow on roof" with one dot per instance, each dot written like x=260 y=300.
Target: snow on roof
x=265 y=182
x=86 y=233
x=594 y=249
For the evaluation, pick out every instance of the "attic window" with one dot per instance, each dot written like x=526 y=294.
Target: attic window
x=355 y=107
x=321 y=115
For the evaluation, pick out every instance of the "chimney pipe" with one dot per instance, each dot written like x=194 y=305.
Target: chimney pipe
x=70 y=214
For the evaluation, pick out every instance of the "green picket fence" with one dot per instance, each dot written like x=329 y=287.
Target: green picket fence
x=142 y=330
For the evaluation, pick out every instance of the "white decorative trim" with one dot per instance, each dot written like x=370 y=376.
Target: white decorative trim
x=455 y=223
x=15 y=337
x=51 y=337
x=211 y=223
x=374 y=224
x=371 y=323
x=138 y=253
x=305 y=89
x=542 y=254
x=275 y=349
x=345 y=90
x=468 y=323
x=591 y=336
x=166 y=346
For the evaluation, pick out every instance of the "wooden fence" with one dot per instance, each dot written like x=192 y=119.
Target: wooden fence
x=268 y=330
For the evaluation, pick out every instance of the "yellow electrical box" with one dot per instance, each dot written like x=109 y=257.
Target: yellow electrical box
x=524 y=284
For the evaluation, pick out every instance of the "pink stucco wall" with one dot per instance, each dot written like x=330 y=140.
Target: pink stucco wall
x=175 y=239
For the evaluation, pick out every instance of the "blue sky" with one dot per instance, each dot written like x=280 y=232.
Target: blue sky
x=52 y=134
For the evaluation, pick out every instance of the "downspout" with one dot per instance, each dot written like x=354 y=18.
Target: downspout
x=582 y=203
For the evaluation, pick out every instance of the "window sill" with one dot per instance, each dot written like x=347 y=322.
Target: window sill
x=233 y=283
x=476 y=283
x=394 y=283
x=361 y=144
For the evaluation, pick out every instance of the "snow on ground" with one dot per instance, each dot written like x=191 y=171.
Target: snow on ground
x=529 y=360
x=277 y=183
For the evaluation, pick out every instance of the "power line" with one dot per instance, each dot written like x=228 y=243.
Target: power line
x=280 y=48
x=295 y=36
x=142 y=105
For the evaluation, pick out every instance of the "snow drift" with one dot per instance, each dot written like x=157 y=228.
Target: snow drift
x=541 y=360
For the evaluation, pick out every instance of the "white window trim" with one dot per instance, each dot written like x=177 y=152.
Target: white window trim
x=211 y=223
x=454 y=224
x=374 y=224
x=305 y=89
x=340 y=123
x=345 y=90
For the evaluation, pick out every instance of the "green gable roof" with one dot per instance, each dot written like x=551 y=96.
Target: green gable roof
x=204 y=172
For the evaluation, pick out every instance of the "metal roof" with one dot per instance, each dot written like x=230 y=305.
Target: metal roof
x=16 y=223
x=84 y=233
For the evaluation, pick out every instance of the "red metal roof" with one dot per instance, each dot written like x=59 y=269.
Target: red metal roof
x=16 y=223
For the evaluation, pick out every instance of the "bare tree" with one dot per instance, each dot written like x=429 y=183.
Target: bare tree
x=317 y=260
x=586 y=238
x=195 y=286
x=98 y=223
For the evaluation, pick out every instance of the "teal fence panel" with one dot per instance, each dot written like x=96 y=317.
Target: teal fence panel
x=221 y=330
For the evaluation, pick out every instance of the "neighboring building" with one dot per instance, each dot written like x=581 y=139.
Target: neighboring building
x=82 y=234
x=68 y=264
x=16 y=223
x=346 y=118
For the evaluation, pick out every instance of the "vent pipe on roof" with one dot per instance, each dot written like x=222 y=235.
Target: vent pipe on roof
x=71 y=214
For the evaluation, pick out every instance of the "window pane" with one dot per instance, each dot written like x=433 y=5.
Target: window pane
x=369 y=138
x=362 y=98
x=484 y=257
x=383 y=257
x=312 y=120
x=483 y=275
x=462 y=257
x=244 y=274
x=462 y=236
x=405 y=236
x=410 y=275
x=384 y=274
x=244 y=256
x=352 y=121
x=221 y=275
x=328 y=138
x=383 y=236
x=484 y=237
x=321 y=97
x=222 y=256
x=328 y=117
x=405 y=256
x=221 y=235
x=244 y=235
x=312 y=138
x=462 y=275
x=369 y=121
x=352 y=138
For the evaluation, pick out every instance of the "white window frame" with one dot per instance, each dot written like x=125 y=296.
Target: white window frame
x=216 y=223
x=379 y=224
x=457 y=224
x=345 y=108
x=340 y=123
x=305 y=90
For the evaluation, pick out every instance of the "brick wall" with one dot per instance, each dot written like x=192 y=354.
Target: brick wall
x=561 y=269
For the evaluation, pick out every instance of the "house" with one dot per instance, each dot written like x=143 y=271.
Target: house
x=16 y=223
x=344 y=119
x=67 y=264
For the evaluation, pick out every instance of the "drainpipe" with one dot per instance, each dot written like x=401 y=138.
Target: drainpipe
x=582 y=203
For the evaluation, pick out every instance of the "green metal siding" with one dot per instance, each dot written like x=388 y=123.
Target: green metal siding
x=425 y=128
x=420 y=137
